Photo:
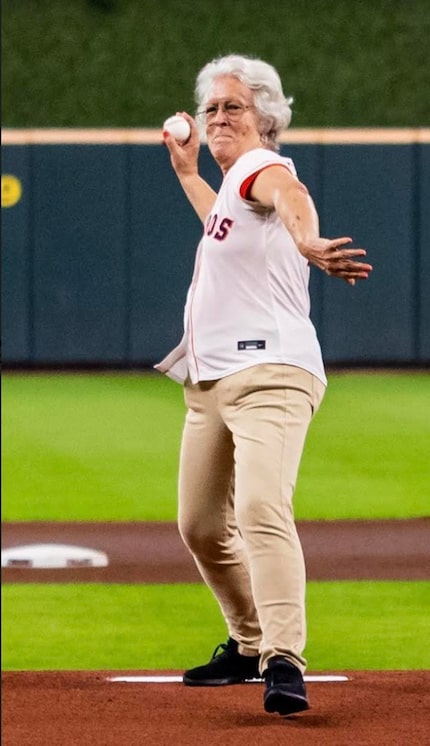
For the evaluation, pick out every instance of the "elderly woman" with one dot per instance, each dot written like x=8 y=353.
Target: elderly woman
x=253 y=374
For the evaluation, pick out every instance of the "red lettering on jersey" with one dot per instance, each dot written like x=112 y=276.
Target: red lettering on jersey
x=224 y=229
x=210 y=224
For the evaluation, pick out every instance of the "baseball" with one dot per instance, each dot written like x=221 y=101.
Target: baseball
x=178 y=127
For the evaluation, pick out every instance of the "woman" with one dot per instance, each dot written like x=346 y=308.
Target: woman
x=253 y=374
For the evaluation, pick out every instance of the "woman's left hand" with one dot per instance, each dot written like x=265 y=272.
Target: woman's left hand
x=330 y=256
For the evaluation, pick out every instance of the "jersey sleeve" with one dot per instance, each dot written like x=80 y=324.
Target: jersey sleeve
x=256 y=162
x=246 y=185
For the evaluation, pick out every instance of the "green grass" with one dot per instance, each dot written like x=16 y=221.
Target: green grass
x=105 y=447
x=367 y=452
x=357 y=625
x=132 y=63
x=90 y=447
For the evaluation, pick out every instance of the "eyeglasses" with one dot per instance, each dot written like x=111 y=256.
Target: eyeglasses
x=232 y=110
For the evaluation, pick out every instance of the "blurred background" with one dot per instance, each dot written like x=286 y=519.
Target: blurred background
x=130 y=63
x=98 y=239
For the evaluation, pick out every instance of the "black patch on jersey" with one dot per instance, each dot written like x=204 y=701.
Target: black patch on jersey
x=252 y=344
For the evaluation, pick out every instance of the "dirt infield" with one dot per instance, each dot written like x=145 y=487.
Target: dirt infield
x=67 y=709
x=385 y=708
x=153 y=552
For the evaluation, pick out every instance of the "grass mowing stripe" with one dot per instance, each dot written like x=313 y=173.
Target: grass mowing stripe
x=352 y=625
x=366 y=454
x=368 y=625
x=89 y=447
x=105 y=447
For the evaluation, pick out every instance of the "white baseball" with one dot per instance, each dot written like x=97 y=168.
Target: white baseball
x=178 y=127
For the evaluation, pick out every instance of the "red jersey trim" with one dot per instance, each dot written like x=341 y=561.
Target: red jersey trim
x=245 y=187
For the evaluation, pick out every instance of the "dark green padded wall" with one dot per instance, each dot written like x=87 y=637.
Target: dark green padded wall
x=98 y=252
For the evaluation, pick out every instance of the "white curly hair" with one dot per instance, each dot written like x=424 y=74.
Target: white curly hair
x=273 y=107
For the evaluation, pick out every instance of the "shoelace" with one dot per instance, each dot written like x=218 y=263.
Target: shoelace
x=224 y=647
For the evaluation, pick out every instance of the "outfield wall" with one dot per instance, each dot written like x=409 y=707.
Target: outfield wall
x=98 y=244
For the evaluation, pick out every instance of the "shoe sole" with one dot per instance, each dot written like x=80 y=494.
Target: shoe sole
x=284 y=703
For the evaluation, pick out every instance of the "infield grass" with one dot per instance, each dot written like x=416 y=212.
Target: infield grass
x=105 y=447
x=352 y=625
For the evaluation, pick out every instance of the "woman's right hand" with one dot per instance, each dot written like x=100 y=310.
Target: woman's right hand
x=184 y=156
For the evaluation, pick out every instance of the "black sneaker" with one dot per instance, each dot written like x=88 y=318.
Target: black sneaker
x=285 y=689
x=227 y=667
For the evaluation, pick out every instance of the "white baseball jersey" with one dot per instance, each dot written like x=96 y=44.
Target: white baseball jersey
x=249 y=300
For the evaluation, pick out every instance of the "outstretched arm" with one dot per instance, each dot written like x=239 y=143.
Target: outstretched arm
x=277 y=187
x=184 y=159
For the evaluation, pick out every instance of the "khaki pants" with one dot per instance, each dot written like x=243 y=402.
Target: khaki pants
x=241 y=449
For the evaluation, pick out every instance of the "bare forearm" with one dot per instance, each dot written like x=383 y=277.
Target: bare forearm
x=184 y=159
x=297 y=211
x=200 y=194
x=276 y=187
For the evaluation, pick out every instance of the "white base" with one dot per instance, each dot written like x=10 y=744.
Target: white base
x=46 y=556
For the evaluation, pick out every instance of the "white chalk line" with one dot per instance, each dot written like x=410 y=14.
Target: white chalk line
x=313 y=679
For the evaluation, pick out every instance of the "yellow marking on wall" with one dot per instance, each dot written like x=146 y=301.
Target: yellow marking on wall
x=11 y=190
